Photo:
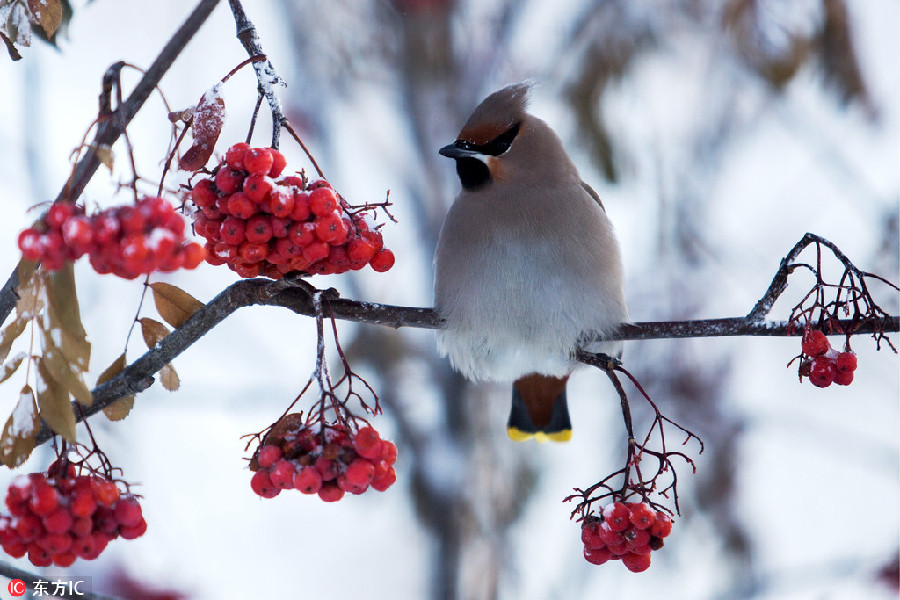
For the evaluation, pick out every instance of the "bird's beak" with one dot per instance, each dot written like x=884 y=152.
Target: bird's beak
x=456 y=150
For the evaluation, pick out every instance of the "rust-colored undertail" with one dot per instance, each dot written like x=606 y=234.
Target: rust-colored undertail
x=539 y=409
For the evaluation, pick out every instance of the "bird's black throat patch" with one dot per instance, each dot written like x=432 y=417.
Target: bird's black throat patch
x=473 y=174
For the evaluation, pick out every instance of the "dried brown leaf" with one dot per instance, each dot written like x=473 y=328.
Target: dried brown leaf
x=119 y=409
x=112 y=370
x=17 y=439
x=12 y=366
x=105 y=156
x=48 y=13
x=153 y=331
x=174 y=305
x=65 y=317
x=206 y=125
x=9 y=335
x=10 y=47
x=169 y=378
x=65 y=373
x=53 y=401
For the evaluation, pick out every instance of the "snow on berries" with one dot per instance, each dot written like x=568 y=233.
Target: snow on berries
x=324 y=459
x=626 y=531
x=58 y=517
x=127 y=241
x=822 y=364
x=260 y=223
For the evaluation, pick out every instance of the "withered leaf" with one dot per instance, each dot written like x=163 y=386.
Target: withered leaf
x=169 y=378
x=65 y=317
x=119 y=409
x=112 y=370
x=17 y=439
x=65 y=373
x=173 y=304
x=54 y=405
x=105 y=156
x=206 y=125
x=153 y=331
x=10 y=47
x=9 y=335
x=12 y=366
x=48 y=13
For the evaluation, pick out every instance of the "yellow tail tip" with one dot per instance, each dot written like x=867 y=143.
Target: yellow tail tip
x=517 y=435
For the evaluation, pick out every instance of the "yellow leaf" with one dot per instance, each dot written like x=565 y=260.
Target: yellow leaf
x=17 y=439
x=12 y=366
x=65 y=373
x=119 y=409
x=48 y=14
x=169 y=378
x=174 y=305
x=153 y=331
x=64 y=316
x=55 y=408
x=105 y=156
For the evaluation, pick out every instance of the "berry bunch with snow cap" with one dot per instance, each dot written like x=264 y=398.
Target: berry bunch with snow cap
x=127 y=241
x=259 y=223
x=822 y=364
x=325 y=459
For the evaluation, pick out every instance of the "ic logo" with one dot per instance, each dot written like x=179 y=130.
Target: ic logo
x=16 y=587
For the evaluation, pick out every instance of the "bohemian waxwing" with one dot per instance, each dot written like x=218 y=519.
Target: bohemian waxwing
x=527 y=266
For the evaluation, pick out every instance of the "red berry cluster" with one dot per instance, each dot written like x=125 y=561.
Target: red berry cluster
x=127 y=241
x=626 y=531
x=260 y=225
x=327 y=461
x=823 y=364
x=56 y=519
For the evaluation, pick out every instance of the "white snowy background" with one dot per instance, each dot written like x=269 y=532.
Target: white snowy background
x=816 y=470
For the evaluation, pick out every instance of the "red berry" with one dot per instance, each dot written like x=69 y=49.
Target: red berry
x=30 y=244
x=322 y=201
x=58 y=214
x=282 y=474
x=385 y=481
x=203 y=193
x=315 y=250
x=662 y=526
x=597 y=556
x=279 y=162
x=382 y=261
x=636 y=562
x=300 y=211
x=360 y=472
x=234 y=156
x=360 y=250
x=131 y=532
x=44 y=499
x=78 y=234
x=253 y=253
x=642 y=516
x=29 y=528
x=327 y=468
x=843 y=377
x=246 y=270
x=822 y=371
x=330 y=228
x=610 y=538
x=106 y=492
x=590 y=535
x=38 y=556
x=815 y=342
x=239 y=205
x=267 y=456
x=262 y=484
x=281 y=203
x=617 y=516
x=846 y=362
x=258 y=161
x=257 y=187
x=308 y=480
x=233 y=230
x=302 y=234
x=194 y=254
x=636 y=538
x=64 y=559
x=228 y=181
x=128 y=511
x=330 y=493
x=58 y=521
x=388 y=452
x=367 y=443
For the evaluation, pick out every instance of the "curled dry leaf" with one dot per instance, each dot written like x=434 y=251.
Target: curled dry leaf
x=173 y=304
x=119 y=409
x=17 y=439
x=206 y=124
x=153 y=331
x=47 y=13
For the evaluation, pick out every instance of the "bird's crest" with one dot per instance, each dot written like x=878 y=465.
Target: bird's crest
x=496 y=114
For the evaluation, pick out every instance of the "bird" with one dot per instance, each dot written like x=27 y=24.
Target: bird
x=527 y=267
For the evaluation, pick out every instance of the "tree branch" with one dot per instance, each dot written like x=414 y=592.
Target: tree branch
x=297 y=296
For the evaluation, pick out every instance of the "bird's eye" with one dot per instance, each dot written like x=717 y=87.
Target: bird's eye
x=502 y=142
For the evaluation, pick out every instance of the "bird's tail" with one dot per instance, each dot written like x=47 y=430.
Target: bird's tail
x=539 y=409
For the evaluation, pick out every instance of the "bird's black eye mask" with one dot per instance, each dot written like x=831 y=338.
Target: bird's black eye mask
x=496 y=146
